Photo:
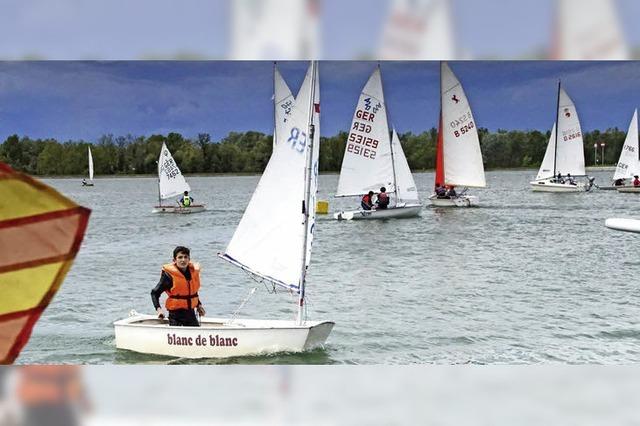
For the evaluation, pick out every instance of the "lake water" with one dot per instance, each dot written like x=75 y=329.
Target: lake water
x=525 y=278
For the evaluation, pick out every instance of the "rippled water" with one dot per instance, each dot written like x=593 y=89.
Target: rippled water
x=525 y=278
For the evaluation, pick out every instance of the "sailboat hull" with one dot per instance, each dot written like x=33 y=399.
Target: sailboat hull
x=629 y=189
x=548 y=186
x=408 y=210
x=219 y=337
x=196 y=208
x=628 y=225
x=460 y=201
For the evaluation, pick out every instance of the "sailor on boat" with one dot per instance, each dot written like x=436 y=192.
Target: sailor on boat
x=636 y=181
x=186 y=200
x=84 y=182
x=367 y=201
x=181 y=281
x=383 y=199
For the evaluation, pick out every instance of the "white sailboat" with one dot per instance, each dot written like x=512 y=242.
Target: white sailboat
x=629 y=165
x=282 y=103
x=565 y=153
x=458 y=156
x=272 y=243
x=84 y=182
x=171 y=183
x=374 y=159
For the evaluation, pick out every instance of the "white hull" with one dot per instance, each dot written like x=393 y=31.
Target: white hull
x=548 y=186
x=218 y=337
x=408 y=210
x=196 y=208
x=629 y=225
x=629 y=189
x=459 y=201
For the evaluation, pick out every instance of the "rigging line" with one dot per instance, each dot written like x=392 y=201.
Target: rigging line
x=237 y=311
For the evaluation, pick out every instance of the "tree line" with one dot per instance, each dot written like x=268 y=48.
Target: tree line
x=249 y=152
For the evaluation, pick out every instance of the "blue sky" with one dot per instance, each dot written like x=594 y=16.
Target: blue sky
x=84 y=100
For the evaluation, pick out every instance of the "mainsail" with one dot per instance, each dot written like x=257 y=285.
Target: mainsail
x=40 y=234
x=461 y=146
x=367 y=163
x=90 y=164
x=628 y=164
x=272 y=239
x=171 y=181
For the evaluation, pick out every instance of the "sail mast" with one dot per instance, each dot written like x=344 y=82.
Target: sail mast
x=275 y=115
x=555 y=147
x=307 y=190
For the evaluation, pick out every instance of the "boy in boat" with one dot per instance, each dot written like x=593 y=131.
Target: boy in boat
x=186 y=200
x=367 y=201
x=570 y=180
x=636 y=181
x=383 y=199
x=619 y=182
x=441 y=192
x=181 y=281
x=451 y=192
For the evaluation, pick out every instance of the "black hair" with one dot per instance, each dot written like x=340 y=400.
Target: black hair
x=181 y=249
x=186 y=192
x=370 y=193
x=383 y=189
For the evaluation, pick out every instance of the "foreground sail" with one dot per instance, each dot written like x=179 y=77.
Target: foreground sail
x=373 y=159
x=272 y=243
x=458 y=156
x=40 y=235
x=171 y=183
x=564 y=158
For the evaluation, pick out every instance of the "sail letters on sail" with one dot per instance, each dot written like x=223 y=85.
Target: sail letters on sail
x=40 y=234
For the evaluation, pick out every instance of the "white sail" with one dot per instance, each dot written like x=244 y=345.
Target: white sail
x=269 y=241
x=283 y=99
x=629 y=164
x=570 y=149
x=546 y=168
x=171 y=181
x=274 y=29
x=367 y=163
x=315 y=160
x=589 y=30
x=90 y=164
x=406 y=186
x=418 y=29
x=462 y=156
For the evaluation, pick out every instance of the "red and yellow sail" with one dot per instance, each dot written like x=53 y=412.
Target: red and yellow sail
x=40 y=234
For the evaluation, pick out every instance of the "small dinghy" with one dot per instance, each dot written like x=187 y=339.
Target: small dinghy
x=458 y=156
x=84 y=182
x=373 y=158
x=272 y=243
x=171 y=183
x=563 y=156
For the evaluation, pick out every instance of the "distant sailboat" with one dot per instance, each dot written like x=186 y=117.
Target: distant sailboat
x=374 y=159
x=629 y=165
x=272 y=243
x=171 y=183
x=565 y=152
x=90 y=183
x=458 y=156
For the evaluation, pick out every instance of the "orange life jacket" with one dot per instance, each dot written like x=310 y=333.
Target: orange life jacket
x=49 y=384
x=183 y=294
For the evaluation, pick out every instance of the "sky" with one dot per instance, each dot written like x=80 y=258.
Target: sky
x=85 y=100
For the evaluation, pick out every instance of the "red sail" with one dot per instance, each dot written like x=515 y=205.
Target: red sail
x=439 y=156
